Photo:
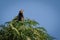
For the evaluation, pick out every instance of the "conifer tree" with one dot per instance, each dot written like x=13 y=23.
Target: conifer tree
x=26 y=30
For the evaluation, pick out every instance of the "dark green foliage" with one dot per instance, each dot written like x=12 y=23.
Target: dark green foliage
x=27 y=30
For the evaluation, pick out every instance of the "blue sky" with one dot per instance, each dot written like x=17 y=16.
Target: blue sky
x=46 y=12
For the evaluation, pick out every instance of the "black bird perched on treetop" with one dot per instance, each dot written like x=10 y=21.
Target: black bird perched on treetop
x=20 y=16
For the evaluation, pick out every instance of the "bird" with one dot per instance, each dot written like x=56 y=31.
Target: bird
x=20 y=16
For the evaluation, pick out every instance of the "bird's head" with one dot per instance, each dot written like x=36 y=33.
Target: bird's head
x=21 y=11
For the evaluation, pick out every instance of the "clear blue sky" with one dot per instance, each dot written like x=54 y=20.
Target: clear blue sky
x=46 y=12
